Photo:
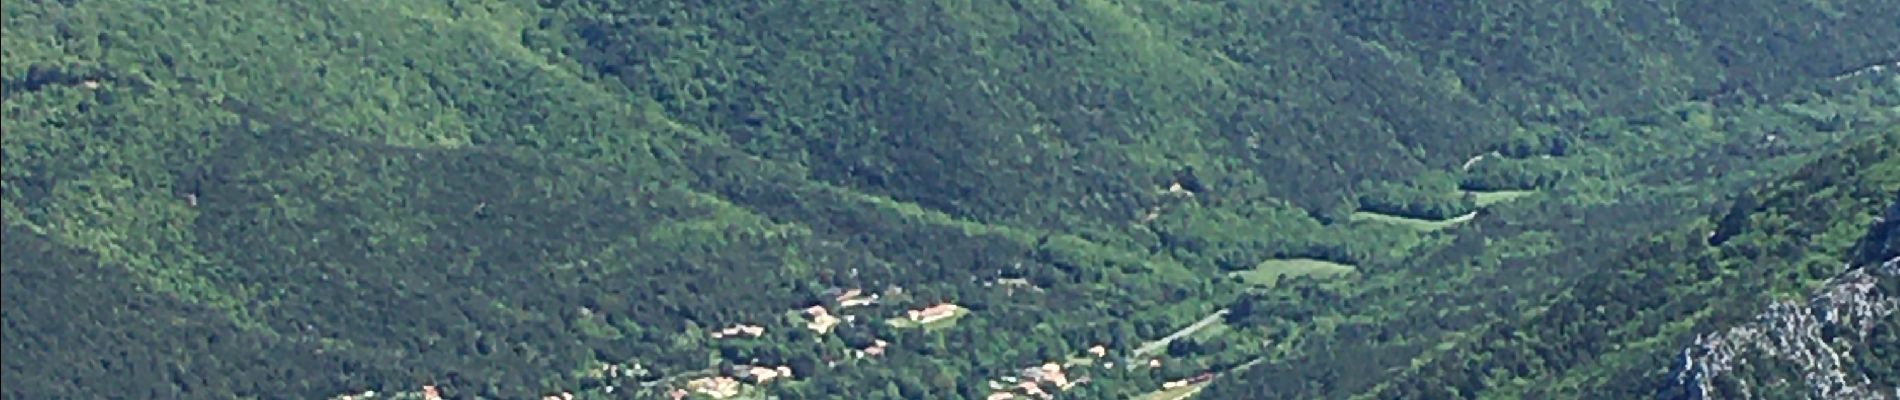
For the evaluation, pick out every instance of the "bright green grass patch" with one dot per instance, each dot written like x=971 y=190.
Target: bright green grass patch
x=1418 y=224
x=1270 y=272
x=902 y=322
x=1486 y=199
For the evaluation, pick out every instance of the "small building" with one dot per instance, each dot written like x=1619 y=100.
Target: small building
x=858 y=301
x=934 y=313
x=740 y=330
x=1053 y=374
x=821 y=320
x=849 y=294
x=761 y=375
x=1032 y=389
x=717 y=387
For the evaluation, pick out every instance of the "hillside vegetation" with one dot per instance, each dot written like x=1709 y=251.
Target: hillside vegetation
x=511 y=198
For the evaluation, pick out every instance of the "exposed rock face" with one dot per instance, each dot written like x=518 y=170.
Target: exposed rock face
x=1815 y=340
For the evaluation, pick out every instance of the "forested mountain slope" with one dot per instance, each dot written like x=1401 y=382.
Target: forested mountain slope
x=502 y=198
x=1616 y=327
x=1844 y=342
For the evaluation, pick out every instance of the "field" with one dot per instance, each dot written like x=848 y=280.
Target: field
x=1270 y=272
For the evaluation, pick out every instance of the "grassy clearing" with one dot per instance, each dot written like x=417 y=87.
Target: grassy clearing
x=1484 y=199
x=902 y=322
x=1487 y=199
x=1418 y=224
x=1269 y=272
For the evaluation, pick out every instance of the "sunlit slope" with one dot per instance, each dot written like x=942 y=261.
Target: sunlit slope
x=1590 y=312
x=422 y=192
x=495 y=196
x=1019 y=111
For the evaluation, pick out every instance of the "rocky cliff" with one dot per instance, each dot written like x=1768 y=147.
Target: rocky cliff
x=1816 y=349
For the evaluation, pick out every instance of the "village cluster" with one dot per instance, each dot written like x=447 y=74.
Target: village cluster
x=818 y=319
x=1028 y=383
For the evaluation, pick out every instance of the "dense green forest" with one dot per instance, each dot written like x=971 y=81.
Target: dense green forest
x=1263 y=199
